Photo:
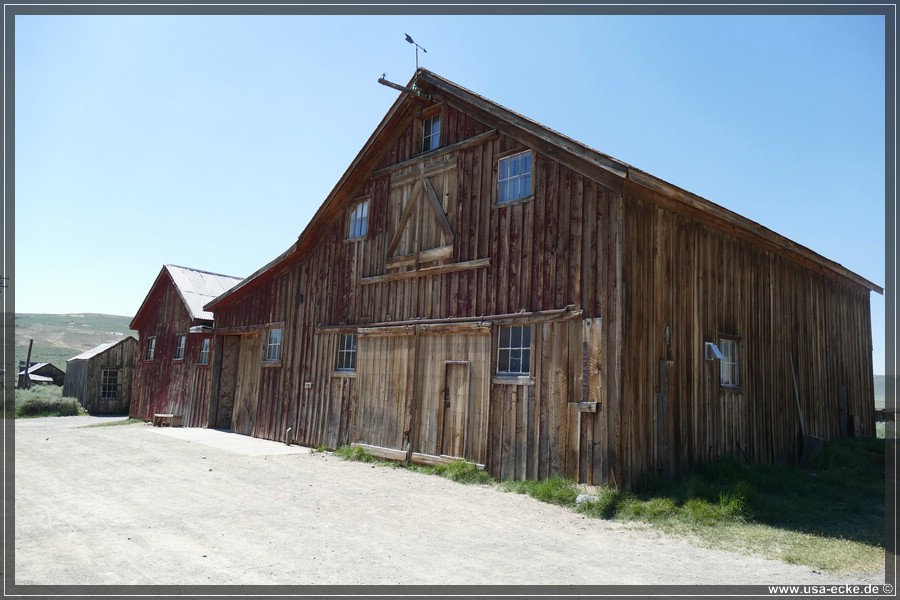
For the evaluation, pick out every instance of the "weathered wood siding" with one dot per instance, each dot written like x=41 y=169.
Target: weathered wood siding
x=164 y=384
x=84 y=376
x=685 y=279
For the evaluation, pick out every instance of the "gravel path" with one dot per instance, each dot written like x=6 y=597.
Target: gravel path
x=142 y=505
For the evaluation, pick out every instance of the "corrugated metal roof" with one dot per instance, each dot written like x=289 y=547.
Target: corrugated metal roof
x=93 y=351
x=34 y=367
x=200 y=287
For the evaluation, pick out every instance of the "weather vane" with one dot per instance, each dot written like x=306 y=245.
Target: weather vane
x=411 y=41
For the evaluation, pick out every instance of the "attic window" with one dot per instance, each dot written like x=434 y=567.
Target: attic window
x=180 y=343
x=358 y=221
x=151 y=348
x=431 y=133
x=514 y=177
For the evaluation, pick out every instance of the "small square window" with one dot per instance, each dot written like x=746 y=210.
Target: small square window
x=151 y=348
x=359 y=220
x=729 y=365
x=273 y=345
x=514 y=177
x=514 y=350
x=431 y=133
x=203 y=359
x=180 y=343
x=346 y=357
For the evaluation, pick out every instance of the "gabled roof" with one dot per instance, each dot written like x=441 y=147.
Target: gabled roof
x=604 y=168
x=195 y=288
x=34 y=367
x=99 y=349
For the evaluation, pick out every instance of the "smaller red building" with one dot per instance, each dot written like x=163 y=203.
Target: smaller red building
x=172 y=368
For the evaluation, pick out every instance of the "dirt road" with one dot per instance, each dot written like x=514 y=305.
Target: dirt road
x=143 y=505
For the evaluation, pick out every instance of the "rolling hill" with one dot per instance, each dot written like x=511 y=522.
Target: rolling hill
x=60 y=337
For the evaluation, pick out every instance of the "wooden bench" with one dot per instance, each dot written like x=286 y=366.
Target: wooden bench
x=166 y=420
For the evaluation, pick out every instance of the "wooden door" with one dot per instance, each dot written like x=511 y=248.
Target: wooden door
x=455 y=410
x=246 y=394
x=231 y=349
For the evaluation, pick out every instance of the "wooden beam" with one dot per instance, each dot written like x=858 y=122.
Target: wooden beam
x=430 y=255
x=438 y=208
x=478 y=263
x=472 y=141
x=407 y=212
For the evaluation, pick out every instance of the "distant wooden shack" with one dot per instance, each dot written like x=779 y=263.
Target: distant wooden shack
x=101 y=377
x=172 y=372
x=41 y=372
x=479 y=286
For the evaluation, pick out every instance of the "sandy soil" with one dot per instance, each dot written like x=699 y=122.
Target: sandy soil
x=142 y=505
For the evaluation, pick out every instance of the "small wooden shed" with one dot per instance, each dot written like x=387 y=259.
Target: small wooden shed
x=41 y=372
x=101 y=377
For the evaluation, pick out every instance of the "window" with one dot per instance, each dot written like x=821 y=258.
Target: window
x=358 y=222
x=431 y=133
x=204 y=352
x=730 y=375
x=273 y=345
x=514 y=177
x=180 y=342
x=346 y=358
x=109 y=384
x=151 y=348
x=514 y=350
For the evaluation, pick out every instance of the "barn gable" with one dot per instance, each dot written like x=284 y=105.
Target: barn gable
x=477 y=285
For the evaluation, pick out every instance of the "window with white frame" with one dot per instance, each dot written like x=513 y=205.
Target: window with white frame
x=730 y=373
x=151 y=348
x=180 y=343
x=203 y=359
x=514 y=350
x=346 y=356
x=431 y=133
x=273 y=345
x=358 y=222
x=514 y=177
x=109 y=384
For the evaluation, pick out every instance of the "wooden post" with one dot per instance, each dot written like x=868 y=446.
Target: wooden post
x=26 y=380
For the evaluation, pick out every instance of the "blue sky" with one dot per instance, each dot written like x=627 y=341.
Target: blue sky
x=209 y=141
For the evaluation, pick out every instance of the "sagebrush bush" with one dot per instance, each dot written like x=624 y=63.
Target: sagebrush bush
x=46 y=401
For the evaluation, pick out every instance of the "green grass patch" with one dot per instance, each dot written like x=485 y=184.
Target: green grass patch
x=128 y=421
x=556 y=490
x=827 y=514
x=354 y=453
x=46 y=401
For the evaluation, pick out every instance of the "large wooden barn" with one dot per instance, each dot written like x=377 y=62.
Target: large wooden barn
x=101 y=377
x=172 y=370
x=477 y=285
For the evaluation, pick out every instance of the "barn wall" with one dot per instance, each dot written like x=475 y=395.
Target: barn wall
x=166 y=385
x=685 y=279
